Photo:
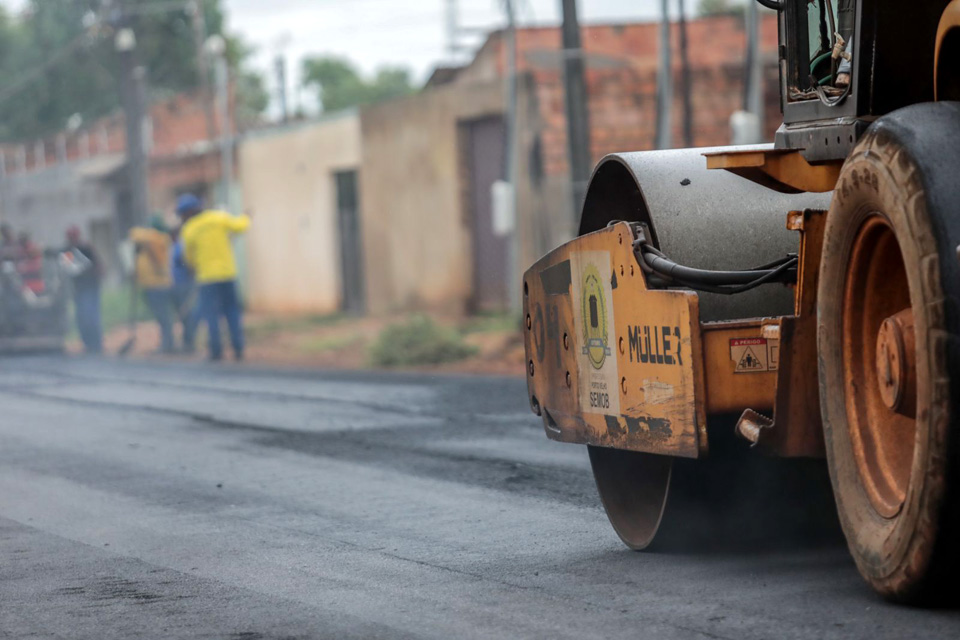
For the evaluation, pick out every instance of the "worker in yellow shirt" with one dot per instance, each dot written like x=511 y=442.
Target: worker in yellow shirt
x=153 y=275
x=207 y=249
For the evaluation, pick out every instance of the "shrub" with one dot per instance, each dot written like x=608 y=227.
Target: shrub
x=418 y=340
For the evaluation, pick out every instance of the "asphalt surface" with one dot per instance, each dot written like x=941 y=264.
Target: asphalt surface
x=194 y=501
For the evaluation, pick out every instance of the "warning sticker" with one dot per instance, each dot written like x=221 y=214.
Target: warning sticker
x=754 y=355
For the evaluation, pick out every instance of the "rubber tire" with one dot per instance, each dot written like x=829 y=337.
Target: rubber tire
x=906 y=166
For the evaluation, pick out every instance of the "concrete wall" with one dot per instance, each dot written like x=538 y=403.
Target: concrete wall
x=415 y=227
x=293 y=252
x=181 y=158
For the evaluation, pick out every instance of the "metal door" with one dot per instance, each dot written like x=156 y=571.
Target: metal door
x=486 y=163
x=351 y=255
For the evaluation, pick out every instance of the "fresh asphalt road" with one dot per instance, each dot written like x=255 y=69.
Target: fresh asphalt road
x=194 y=501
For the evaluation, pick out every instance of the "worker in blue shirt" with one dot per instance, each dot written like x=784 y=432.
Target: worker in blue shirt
x=184 y=294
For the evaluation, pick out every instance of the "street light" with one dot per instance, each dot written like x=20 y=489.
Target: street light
x=133 y=92
x=125 y=41
x=216 y=48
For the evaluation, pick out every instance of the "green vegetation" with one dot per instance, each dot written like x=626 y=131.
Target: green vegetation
x=490 y=322
x=115 y=308
x=331 y=343
x=417 y=341
x=718 y=7
x=339 y=84
x=57 y=59
x=294 y=323
x=114 y=311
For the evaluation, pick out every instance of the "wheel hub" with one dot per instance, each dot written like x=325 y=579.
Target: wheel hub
x=878 y=351
x=895 y=363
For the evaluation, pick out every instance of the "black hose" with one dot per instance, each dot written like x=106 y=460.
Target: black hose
x=776 y=5
x=663 y=272
x=770 y=278
x=670 y=269
x=786 y=273
x=831 y=102
x=775 y=263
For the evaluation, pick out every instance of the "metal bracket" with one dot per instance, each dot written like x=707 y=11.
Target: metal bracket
x=751 y=426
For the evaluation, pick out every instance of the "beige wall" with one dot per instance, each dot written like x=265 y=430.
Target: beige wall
x=293 y=246
x=416 y=232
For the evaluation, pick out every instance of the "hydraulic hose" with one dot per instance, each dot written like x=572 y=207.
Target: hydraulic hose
x=665 y=267
x=776 y=5
x=662 y=271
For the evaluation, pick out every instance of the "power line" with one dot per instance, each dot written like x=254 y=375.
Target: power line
x=159 y=6
x=19 y=84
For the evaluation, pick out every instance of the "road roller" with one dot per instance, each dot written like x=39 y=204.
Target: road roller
x=808 y=289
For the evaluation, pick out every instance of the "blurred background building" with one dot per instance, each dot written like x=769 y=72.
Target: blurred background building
x=80 y=177
x=389 y=204
x=427 y=163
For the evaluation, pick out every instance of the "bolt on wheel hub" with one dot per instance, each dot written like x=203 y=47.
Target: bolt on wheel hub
x=896 y=375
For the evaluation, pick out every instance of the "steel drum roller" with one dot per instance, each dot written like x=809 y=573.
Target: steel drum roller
x=701 y=218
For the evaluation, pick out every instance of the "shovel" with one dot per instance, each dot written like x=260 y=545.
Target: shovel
x=127 y=346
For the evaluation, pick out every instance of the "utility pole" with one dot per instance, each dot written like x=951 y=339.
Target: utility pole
x=753 y=92
x=216 y=48
x=226 y=127
x=280 y=45
x=746 y=126
x=453 y=28
x=685 y=79
x=3 y=184
x=575 y=100
x=298 y=95
x=133 y=90
x=513 y=159
x=664 y=81
x=280 y=71
x=199 y=24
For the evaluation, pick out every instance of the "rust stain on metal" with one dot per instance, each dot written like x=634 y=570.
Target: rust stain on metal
x=878 y=354
x=632 y=367
x=626 y=375
x=795 y=221
x=727 y=390
x=896 y=363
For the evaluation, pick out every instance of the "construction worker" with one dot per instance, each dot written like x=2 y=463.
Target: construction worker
x=152 y=272
x=206 y=237
x=85 y=277
x=30 y=266
x=8 y=243
x=184 y=293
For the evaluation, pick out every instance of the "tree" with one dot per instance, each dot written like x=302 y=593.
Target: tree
x=720 y=7
x=252 y=97
x=390 y=82
x=339 y=84
x=58 y=59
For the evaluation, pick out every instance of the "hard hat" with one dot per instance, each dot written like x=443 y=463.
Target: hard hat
x=187 y=203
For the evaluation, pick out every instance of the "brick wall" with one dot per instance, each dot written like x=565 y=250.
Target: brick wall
x=180 y=153
x=621 y=82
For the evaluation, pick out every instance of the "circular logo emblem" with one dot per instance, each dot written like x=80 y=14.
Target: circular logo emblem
x=593 y=310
